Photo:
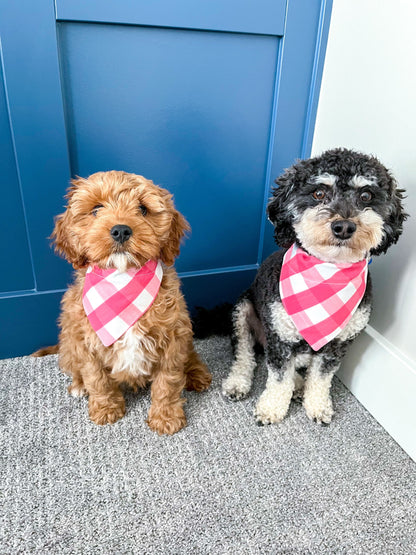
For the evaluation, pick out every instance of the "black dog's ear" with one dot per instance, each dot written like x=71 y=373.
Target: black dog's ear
x=278 y=209
x=393 y=224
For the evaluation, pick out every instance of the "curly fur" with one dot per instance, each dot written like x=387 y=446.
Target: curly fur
x=158 y=349
x=338 y=186
x=291 y=198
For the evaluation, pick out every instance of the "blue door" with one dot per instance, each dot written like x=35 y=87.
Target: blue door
x=210 y=99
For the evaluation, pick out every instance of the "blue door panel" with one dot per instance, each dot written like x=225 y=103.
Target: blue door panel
x=28 y=322
x=245 y=16
x=189 y=109
x=210 y=290
x=297 y=110
x=210 y=99
x=14 y=248
x=30 y=63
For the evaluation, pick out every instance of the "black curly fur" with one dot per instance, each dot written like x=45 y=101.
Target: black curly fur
x=291 y=197
x=341 y=199
x=345 y=164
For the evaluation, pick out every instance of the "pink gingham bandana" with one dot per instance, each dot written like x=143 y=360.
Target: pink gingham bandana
x=320 y=297
x=114 y=301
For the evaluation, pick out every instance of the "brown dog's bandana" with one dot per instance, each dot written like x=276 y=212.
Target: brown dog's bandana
x=114 y=301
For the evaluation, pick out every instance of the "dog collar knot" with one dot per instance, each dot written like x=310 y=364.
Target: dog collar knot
x=113 y=301
x=320 y=297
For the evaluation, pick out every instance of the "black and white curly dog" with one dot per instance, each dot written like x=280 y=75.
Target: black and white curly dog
x=340 y=208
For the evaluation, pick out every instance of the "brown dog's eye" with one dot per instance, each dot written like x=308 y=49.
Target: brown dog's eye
x=143 y=209
x=319 y=194
x=95 y=209
x=366 y=196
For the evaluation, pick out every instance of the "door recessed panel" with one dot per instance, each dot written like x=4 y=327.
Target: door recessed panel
x=190 y=110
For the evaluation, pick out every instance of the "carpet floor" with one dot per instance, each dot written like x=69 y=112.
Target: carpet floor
x=221 y=485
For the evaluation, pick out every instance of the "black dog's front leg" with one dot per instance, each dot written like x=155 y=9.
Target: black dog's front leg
x=274 y=402
x=316 y=398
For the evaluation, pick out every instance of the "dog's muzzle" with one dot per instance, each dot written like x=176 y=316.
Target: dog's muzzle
x=343 y=229
x=121 y=233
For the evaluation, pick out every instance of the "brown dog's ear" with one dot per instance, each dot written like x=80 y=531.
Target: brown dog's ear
x=170 y=250
x=65 y=241
x=63 y=236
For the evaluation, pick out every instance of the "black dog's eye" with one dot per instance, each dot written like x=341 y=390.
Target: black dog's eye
x=366 y=196
x=319 y=194
x=143 y=209
x=95 y=209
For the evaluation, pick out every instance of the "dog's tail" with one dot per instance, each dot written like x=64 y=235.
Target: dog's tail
x=53 y=350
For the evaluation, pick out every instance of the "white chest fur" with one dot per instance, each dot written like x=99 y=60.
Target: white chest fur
x=286 y=329
x=130 y=353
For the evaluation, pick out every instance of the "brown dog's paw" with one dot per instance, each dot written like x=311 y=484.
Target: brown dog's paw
x=166 y=421
x=198 y=379
x=106 y=414
x=77 y=390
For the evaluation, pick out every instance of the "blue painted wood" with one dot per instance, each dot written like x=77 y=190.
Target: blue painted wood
x=213 y=116
x=298 y=86
x=16 y=272
x=318 y=65
x=28 y=322
x=211 y=290
x=244 y=16
x=30 y=56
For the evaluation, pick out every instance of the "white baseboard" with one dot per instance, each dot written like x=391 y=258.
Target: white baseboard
x=383 y=379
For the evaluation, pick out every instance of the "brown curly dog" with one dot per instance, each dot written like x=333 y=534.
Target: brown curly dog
x=116 y=220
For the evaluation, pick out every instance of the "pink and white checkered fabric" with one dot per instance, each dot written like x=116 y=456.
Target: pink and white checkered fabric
x=320 y=297
x=114 y=301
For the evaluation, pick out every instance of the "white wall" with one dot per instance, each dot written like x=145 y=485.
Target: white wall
x=368 y=102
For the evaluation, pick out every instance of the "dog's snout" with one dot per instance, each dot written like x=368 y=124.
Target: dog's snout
x=121 y=233
x=343 y=229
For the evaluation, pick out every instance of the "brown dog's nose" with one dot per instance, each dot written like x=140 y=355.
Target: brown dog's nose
x=343 y=229
x=121 y=233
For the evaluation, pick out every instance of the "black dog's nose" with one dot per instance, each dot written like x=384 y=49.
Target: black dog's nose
x=343 y=229
x=121 y=233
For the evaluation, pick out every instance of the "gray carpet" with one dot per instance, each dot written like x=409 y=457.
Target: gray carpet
x=221 y=485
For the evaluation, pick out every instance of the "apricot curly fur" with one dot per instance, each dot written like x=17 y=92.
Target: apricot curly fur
x=164 y=332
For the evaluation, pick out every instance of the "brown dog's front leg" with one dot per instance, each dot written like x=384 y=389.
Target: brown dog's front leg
x=166 y=414
x=106 y=403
